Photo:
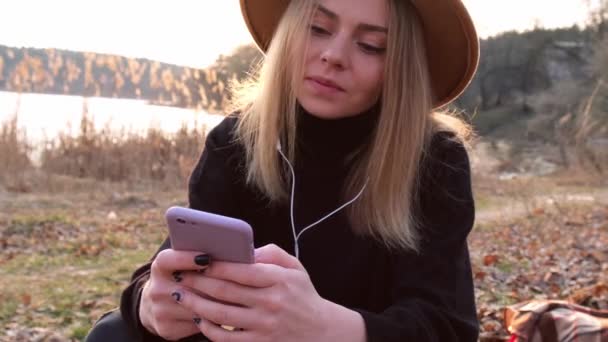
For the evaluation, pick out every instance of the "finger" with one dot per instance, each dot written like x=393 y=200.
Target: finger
x=273 y=254
x=223 y=290
x=179 y=276
x=219 y=313
x=217 y=333
x=167 y=318
x=160 y=305
x=169 y=260
x=253 y=275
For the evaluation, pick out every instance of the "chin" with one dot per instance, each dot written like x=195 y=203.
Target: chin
x=324 y=110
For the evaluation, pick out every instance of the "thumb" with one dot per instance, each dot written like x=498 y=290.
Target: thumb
x=273 y=254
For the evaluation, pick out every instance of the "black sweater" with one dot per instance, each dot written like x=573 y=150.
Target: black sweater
x=401 y=296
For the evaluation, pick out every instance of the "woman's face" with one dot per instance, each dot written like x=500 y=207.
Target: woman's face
x=344 y=66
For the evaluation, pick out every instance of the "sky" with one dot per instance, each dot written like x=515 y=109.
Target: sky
x=195 y=32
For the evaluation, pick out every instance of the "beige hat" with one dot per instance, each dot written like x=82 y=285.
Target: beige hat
x=450 y=35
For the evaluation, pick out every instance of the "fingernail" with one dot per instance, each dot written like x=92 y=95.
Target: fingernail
x=196 y=320
x=201 y=260
x=177 y=276
x=177 y=295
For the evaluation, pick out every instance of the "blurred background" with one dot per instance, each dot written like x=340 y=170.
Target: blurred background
x=104 y=107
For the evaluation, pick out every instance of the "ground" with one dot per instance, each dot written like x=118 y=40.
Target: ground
x=65 y=256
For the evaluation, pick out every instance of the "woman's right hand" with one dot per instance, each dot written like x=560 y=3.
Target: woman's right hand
x=159 y=313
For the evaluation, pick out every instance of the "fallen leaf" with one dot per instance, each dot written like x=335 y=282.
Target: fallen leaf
x=491 y=326
x=600 y=289
x=538 y=211
x=599 y=256
x=489 y=260
x=26 y=299
x=87 y=304
x=553 y=277
x=480 y=275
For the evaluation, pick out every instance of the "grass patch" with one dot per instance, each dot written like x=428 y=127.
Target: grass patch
x=482 y=202
x=504 y=299
x=63 y=270
x=8 y=308
x=79 y=332
x=52 y=293
x=505 y=266
x=24 y=225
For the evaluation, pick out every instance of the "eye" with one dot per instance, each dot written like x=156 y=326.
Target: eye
x=317 y=30
x=371 y=49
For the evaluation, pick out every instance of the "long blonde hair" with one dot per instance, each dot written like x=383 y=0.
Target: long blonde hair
x=389 y=165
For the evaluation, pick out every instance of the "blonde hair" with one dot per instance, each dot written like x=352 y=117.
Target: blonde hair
x=391 y=162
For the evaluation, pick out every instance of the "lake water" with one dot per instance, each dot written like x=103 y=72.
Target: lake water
x=44 y=116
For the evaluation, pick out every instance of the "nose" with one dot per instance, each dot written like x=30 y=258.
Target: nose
x=335 y=52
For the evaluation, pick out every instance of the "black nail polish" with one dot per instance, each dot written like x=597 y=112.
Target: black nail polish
x=177 y=296
x=201 y=260
x=177 y=276
x=196 y=320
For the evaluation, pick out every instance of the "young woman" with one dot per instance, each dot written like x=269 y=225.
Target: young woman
x=356 y=184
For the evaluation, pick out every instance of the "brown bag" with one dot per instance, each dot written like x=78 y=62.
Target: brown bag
x=554 y=320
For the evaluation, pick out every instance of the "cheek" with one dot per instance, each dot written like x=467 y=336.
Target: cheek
x=314 y=51
x=371 y=76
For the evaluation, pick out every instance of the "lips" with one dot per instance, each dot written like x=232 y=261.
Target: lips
x=326 y=82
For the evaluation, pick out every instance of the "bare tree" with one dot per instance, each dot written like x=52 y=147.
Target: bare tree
x=598 y=17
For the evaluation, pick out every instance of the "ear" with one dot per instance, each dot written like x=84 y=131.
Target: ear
x=273 y=254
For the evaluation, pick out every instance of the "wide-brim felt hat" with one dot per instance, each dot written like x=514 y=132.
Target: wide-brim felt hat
x=450 y=36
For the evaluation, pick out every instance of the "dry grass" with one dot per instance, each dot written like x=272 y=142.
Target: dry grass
x=14 y=155
x=98 y=155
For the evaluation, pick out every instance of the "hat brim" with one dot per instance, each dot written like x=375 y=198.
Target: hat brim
x=450 y=36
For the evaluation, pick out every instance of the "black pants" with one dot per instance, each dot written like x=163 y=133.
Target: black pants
x=112 y=328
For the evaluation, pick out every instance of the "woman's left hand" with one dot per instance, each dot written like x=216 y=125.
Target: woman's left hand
x=270 y=300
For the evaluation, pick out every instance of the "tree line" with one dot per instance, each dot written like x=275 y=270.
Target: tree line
x=53 y=71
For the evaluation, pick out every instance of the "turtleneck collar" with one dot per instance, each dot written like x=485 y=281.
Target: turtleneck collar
x=333 y=140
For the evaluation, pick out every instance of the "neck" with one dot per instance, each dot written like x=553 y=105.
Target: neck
x=336 y=139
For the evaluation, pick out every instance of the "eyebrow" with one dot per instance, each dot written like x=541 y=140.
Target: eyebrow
x=362 y=26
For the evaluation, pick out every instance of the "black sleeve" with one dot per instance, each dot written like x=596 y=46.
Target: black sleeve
x=211 y=188
x=433 y=293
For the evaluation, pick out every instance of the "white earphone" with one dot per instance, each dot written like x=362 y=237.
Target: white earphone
x=293 y=226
